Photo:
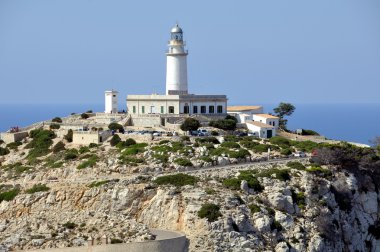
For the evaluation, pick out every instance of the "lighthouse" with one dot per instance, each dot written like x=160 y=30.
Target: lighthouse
x=176 y=64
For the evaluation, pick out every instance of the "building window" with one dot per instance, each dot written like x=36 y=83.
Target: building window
x=162 y=109
x=211 y=109
x=143 y=109
x=134 y=109
x=171 y=109
x=186 y=109
x=274 y=124
x=203 y=109
x=114 y=95
x=220 y=109
x=195 y=109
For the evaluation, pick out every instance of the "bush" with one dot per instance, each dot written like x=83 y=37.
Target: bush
x=207 y=140
x=307 y=132
x=254 y=208
x=69 y=225
x=210 y=191
x=60 y=146
x=206 y=159
x=185 y=138
x=98 y=183
x=224 y=124
x=84 y=116
x=92 y=145
x=286 y=151
x=190 y=124
x=261 y=148
x=130 y=142
x=115 y=140
x=183 y=162
x=276 y=225
x=319 y=171
x=231 y=145
x=242 y=153
x=37 y=188
x=54 y=126
x=9 y=195
x=252 y=181
x=299 y=199
x=4 y=151
x=84 y=149
x=42 y=140
x=115 y=126
x=90 y=162
x=232 y=183
x=14 y=145
x=69 y=136
x=179 y=179
x=163 y=142
x=131 y=160
x=280 y=141
x=209 y=211
x=71 y=154
x=57 y=120
x=295 y=165
x=163 y=158
x=282 y=174
x=116 y=241
x=248 y=144
x=214 y=133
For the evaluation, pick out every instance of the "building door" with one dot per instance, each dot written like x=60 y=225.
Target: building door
x=269 y=133
x=152 y=109
x=186 y=109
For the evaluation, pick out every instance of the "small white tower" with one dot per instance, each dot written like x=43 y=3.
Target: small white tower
x=176 y=66
x=110 y=102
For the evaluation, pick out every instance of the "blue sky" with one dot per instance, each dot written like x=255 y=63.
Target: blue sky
x=254 y=51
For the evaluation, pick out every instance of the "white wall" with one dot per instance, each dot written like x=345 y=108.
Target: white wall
x=269 y=121
x=260 y=132
x=111 y=102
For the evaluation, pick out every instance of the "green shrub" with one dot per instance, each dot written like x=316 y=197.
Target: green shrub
x=319 y=171
x=219 y=151
x=56 y=165
x=37 y=188
x=84 y=149
x=210 y=191
x=60 y=146
x=242 y=153
x=69 y=136
x=90 y=162
x=115 y=140
x=248 y=144
x=71 y=154
x=232 y=183
x=224 y=124
x=41 y=141
x=307 y=132
x=163 y=158
x=231 y=138
x=4 y=151
x=295 y=165
x=206 y=159
x=286 y=151
x=190 y=124
x=179 y=179
x=260 y=148
x=280 y=141
x=116 y=241
x=282 y=174
x=69 y=225
x=214 y=133
x=57 y=120
x=254 y=208
x=84 y=116
x=207 y=140
x=270 y=211
x=306 y=146
x=276 y=225
x=115 y=126
x=130 y=142
x=209 y=211
x=185 y=138
x=183 y=162
x=92 y=145
x=164 y=142
x=14 y=145
x=231 y=145
x=9 y=195
x=130 y=160
x=54 y=126
x=299 y=199
x=252 y=181
x=98 y=183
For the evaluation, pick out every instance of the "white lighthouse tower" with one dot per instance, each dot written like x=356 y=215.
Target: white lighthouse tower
x=176 y=66
x=110 y=102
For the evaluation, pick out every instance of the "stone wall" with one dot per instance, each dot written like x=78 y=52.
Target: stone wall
x=87 y=137
x=13 y=137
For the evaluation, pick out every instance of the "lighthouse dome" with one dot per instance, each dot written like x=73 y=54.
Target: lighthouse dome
x=176 y=29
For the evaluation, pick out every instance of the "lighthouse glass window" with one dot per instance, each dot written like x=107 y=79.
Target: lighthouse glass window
x=177 y=36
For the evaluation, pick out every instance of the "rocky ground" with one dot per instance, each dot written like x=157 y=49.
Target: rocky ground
x=274 y=207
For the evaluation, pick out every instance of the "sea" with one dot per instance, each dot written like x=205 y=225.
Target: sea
x=350 y=122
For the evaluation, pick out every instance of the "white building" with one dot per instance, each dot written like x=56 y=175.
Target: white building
x=267 y=119
x=261 y=130
x=110 y=102
x=244 y=113
x=177 y=100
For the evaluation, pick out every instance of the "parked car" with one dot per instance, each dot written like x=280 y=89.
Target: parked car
x=156 y=133
x=203 y=132
x=299 y=154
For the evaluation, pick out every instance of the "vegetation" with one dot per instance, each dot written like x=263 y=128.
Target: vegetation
x=92 y=145
x=164 y=142
x=60 y=146
x=319 y=171
x=9 y=195
x=84 y=116
x=41 y=141
x=71 y=154
x=115 y=140
x=98 y=183
x=190 y=124
x=280 y=174
x=116 y=241
x=37 y=188
x=126 y=143
x=260 y=148
x=254 y=208
x=210 y=191
x=4 y=151
x=295 y=165
x=234 y=183
x=57 y=120
x=54 y=126
x=90 y=162
x=69 y=136
x=307 y=132
x=231 y=145
x=206 y=159
x=84 y=149
x=284 y=109
x=14 y=145
x=209 y=211
x=242 y=153
x=224 y=124
x=179 y=179
x=183 y=162
x=115 y=126
x=280 y=141
x=69 y=225
x=207 y=140
x=299 y=199
x=276 y=225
